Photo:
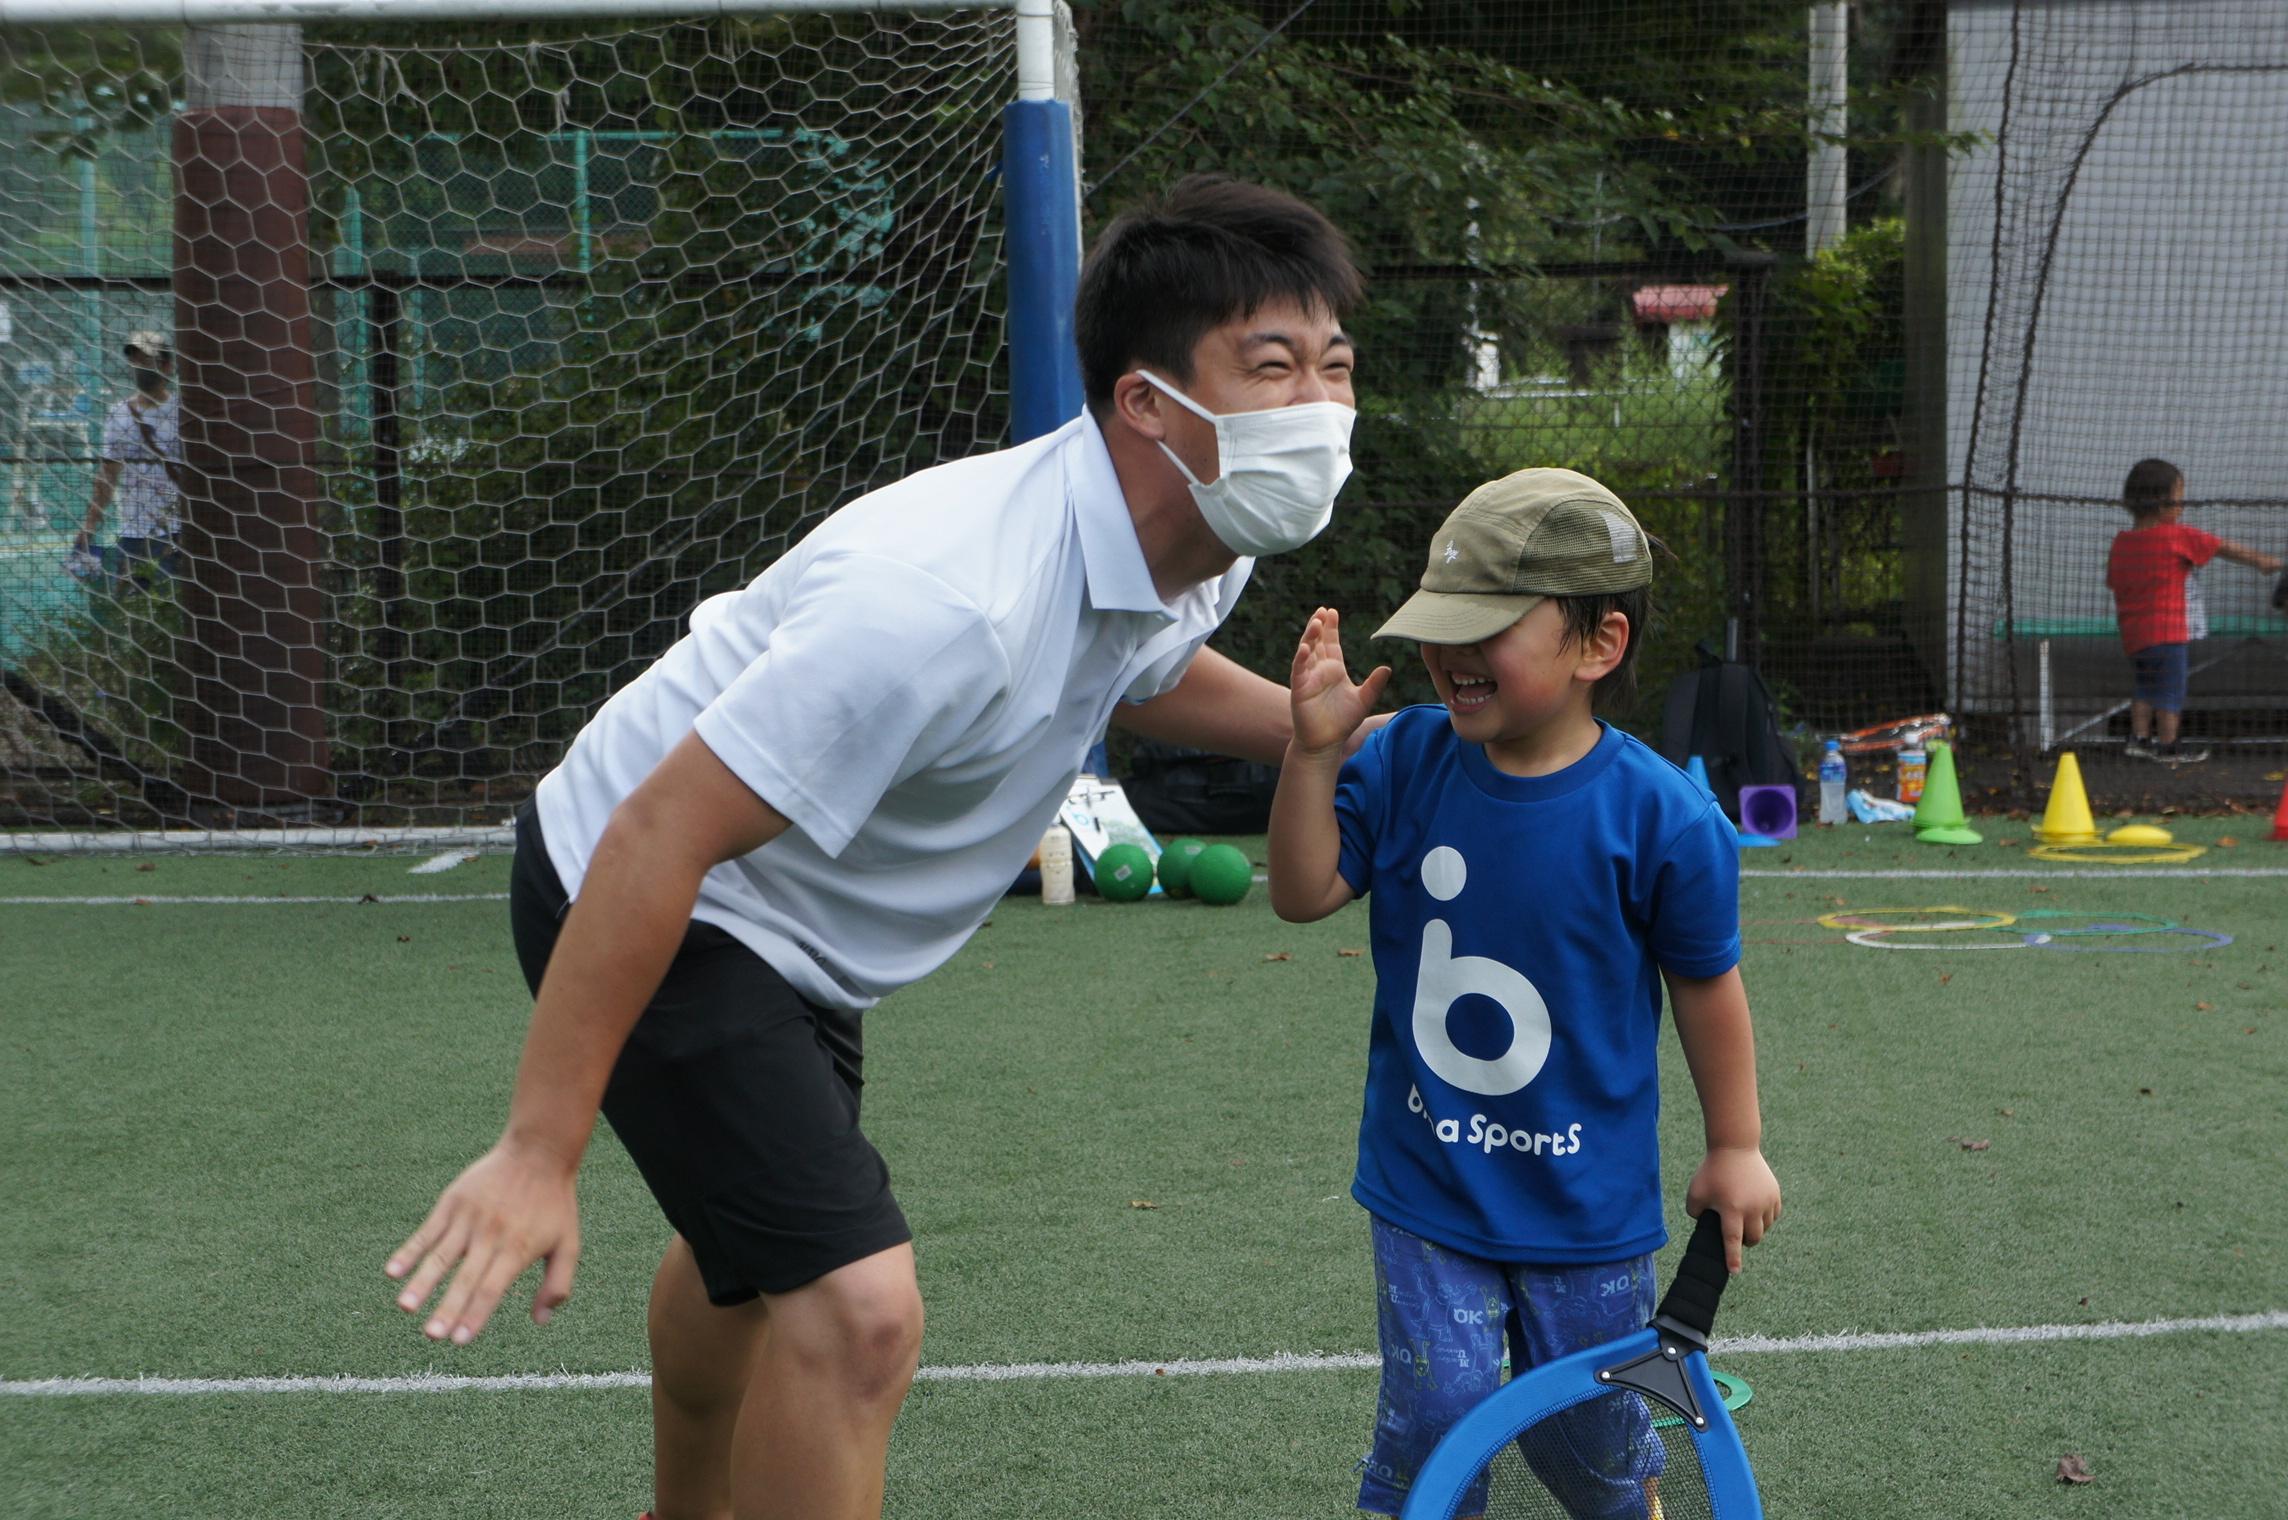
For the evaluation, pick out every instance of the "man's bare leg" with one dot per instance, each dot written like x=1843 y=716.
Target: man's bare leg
x=702 y=1359
x=814 y=1432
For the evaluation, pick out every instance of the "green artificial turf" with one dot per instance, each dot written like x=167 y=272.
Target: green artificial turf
x=1125 y=1132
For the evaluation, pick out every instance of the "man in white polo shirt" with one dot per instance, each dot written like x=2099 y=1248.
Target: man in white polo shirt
x=820 y=792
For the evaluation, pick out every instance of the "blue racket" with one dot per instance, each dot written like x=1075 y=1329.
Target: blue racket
x=1589 y=1437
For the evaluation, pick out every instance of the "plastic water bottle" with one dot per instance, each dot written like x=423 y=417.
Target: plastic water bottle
x=1834 y=780
x=1057 y=866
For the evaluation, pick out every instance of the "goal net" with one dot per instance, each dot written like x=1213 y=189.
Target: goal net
x=584 y=324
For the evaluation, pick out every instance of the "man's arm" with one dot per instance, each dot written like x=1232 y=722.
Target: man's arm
x=98 y=501
x=515 y=1205
x=1720 y=1049
x=1220 y=706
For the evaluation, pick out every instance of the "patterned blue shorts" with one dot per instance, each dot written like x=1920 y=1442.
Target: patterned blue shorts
x=1444 y=1319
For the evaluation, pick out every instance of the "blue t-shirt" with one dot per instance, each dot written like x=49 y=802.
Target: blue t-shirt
x=1520 y=927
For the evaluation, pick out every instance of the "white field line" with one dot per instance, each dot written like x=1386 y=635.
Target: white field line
x=2102 y=873
x=223 y=841
x=450 y=860
x=1349 y=1361
x=2114 y=873
x=380 y=898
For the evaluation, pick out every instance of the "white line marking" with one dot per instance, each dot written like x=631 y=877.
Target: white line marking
x=1285 y=1361
x=220 y=841
x=2002 y=1335
x=384 y=898
x=2113 y=873
x=437 y=864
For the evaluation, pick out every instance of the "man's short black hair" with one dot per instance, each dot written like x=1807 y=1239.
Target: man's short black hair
x=1211 y=250
x=2151 y=486
x=1584 y=615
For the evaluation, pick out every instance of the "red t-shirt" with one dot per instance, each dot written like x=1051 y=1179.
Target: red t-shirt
x=2147 y=571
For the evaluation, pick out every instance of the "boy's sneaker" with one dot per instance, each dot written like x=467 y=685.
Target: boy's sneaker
x=2138 y=748
x=2179 y=754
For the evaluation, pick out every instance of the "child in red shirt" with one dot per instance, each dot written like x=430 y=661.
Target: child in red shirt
x=2150 y=572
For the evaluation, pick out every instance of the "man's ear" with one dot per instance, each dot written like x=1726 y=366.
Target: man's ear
x=1136 y=403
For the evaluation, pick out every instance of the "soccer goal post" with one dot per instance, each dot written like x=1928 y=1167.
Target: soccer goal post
x=490 y=337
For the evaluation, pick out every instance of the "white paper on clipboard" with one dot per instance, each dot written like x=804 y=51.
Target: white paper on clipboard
x=1096 y=810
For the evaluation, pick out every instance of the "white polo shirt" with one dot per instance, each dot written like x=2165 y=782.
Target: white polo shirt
x=914 y=686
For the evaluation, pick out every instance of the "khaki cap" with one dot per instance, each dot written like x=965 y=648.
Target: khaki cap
x=1514 y=541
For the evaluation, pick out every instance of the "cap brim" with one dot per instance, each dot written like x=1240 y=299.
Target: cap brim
x=1455 y=617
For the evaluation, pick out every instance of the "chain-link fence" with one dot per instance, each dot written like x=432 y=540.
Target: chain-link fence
x=598 y=321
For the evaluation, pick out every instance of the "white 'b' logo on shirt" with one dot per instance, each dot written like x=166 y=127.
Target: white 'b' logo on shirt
x=1446 y=978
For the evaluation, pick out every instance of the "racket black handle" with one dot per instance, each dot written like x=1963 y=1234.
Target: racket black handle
x=1690 y=1306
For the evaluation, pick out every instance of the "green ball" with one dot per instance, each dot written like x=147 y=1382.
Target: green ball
x=1221 y=875
x=1123 y=872
x=1176 y=866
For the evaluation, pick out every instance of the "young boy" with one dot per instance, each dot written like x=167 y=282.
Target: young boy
x=1535 y=874
x=2150 y=573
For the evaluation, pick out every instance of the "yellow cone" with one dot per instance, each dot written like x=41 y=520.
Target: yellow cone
x=2066 y=820
x=1938 y=816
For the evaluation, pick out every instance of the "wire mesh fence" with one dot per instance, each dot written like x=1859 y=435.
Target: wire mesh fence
x=594 y=322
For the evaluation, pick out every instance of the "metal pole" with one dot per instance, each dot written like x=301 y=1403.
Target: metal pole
x=296 y=12
x=1041 y=191
x=1828 y=182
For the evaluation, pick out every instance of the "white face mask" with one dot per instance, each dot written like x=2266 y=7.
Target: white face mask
x=1281 y=470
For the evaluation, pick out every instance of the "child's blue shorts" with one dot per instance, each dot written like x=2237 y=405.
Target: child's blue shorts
x=1444 y=1318
x=2161 y=676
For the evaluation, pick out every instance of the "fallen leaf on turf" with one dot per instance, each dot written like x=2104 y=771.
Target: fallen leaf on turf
x=2009 y=844
x=405 y=939
x=2144 y=1092
x=1944 y=977
x=2007 y=1113
x=1279 y=955
x=2205 y=1007
x=1142 y=1203
x=2072 y=1469
x=2228 y=843
x=1350 y=955
x=2037 y=889
x=368 y=898
x=1971 y=1145
x=147 y=866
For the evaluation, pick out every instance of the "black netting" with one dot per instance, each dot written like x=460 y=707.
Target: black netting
x=1616 y=1456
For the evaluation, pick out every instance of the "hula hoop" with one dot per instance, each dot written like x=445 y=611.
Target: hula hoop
x=2211 y=939
x=2153 y=854
x=1988 y=918
x=2103 y=925
x=1876 y=738
x=1869 y=939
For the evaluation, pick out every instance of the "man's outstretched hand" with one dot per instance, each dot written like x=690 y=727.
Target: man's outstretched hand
x=510 y=1209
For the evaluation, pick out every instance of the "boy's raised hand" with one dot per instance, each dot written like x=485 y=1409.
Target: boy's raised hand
x=1328 y=707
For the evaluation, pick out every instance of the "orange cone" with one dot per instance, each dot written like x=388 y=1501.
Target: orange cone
x=2066 y=820
x=2280 y=817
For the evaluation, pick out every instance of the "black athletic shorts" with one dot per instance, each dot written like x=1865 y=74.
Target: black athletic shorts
x=738 y=1099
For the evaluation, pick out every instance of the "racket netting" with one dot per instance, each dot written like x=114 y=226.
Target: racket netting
x=1614 y=1456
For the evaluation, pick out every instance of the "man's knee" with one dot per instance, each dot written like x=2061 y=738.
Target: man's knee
x=860 y=1325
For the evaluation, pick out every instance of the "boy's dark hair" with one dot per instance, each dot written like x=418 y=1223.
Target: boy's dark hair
x=1584 y=615
x=2151 y=485
x=1211 y=249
